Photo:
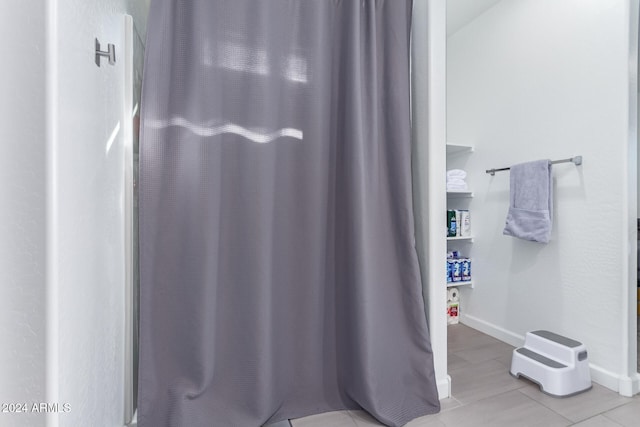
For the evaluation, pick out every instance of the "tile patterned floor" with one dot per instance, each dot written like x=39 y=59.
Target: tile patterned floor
x=484 y=394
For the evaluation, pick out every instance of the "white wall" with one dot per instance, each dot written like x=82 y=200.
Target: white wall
x=461 y=12
x=532 y=79
x=61 y=215
x=22 y=207
x=428 y=80
x=89 y=179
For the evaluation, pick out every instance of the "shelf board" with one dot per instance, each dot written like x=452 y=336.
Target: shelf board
x=459 y=193
x=456 y=284
x=458 y=148
x=460 y=238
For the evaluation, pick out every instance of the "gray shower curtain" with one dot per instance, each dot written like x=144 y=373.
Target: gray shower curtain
x=279 y=276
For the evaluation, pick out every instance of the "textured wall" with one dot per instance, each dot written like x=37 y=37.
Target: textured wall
x=22 y=208
x=534 y=79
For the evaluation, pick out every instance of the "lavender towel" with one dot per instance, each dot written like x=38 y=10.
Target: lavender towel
x=531 y=207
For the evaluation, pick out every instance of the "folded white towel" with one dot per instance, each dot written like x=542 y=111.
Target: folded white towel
x=456 y=181
x=453 y=187
x=456 y=173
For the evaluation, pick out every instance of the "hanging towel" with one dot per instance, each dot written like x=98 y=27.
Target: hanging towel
x=531 y=207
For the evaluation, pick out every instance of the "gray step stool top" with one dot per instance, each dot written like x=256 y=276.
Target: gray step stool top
x=567 y=342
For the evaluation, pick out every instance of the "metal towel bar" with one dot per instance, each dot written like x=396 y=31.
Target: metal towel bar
x=577 y=160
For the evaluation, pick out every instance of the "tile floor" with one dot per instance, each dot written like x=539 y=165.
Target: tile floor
x=484 y=394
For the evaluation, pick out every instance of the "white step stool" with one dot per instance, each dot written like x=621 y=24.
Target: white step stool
x=557 y=364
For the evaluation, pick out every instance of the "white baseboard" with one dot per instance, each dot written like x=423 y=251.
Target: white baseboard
x=605 y=378
x=626 y=386
x=629 y=386
x=492 y=330
x=134 y=420
x=444 y=388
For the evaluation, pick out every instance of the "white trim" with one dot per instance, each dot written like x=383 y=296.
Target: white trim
x=605 y=377
x=428 y=95
x=436 y=58
x=444 y=387
x=628 y=384
x=128 y=204
x=490 y=329
x=52 y=286
x=134 y=420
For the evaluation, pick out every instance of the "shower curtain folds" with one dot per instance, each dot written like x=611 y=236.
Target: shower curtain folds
x=279 y=276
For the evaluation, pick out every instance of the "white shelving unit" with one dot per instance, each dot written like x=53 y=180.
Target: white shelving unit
x=458 y=148
x=458 y=284
x=454 y=194
x=460 y=239
x=453 y=198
